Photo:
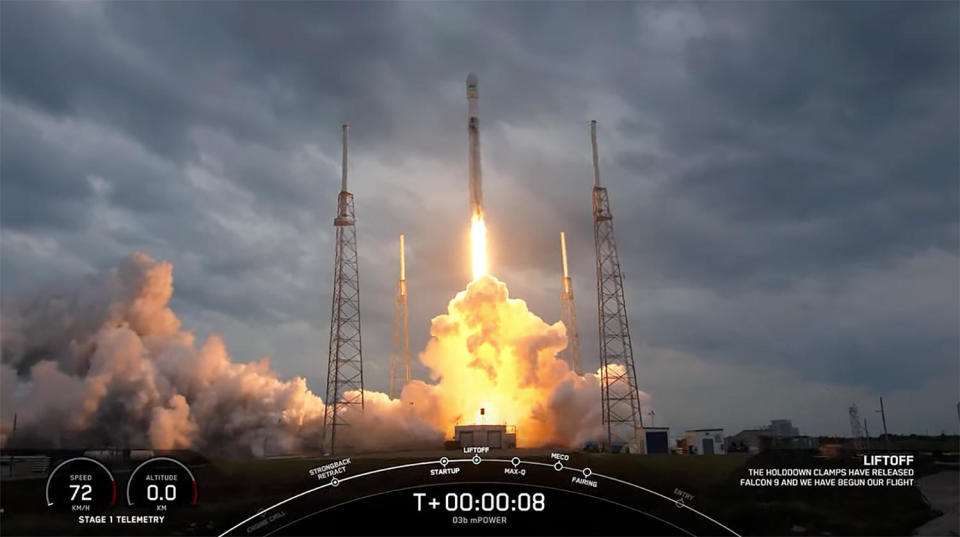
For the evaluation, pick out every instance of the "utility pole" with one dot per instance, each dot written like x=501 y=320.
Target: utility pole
x=620 y=397
x=345 y=358
x=883 y=419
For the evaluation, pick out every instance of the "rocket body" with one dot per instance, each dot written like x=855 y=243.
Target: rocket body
x=475 y=179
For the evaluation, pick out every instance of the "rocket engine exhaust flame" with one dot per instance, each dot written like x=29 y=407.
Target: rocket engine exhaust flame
x=478 y=246
x=490 y=352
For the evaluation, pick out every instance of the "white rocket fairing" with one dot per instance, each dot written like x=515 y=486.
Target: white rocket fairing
x=473 y=128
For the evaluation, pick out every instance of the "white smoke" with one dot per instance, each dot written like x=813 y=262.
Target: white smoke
x=111 y=365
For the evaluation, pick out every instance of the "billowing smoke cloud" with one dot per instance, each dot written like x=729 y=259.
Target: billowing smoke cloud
x=489 y=351
x=112 y=365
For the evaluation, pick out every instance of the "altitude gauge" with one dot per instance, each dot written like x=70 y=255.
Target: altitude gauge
x=161 y=483
x=81 y=485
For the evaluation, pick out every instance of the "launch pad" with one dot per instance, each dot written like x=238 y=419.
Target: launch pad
x=491 y=436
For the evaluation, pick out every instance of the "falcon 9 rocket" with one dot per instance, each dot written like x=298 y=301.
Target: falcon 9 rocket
x=473 y=128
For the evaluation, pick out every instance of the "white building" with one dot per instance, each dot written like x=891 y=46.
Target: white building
x=704 y=442
x=491 y=436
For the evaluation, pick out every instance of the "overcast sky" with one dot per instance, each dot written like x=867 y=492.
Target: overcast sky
x=783 y=179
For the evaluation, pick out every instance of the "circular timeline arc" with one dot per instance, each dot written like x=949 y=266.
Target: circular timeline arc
x=445 y=461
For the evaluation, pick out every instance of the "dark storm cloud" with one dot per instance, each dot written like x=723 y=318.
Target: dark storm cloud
x=783 y=175
x=821 y=143
x=34 y=178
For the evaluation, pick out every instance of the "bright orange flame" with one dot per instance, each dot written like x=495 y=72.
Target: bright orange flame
x=478 y=245
x=489 y=351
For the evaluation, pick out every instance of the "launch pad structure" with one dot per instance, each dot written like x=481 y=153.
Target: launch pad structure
x=620 y=398
x=620 y=401
x=345 y=357
x=400 y=351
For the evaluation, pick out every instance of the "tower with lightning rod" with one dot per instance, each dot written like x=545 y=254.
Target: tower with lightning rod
x=344 y=397
x=568 y=314
x=400 y=352
x=620 y=397
x=856 y=431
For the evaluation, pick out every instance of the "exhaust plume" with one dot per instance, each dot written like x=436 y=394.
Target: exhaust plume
x=489 y=351
x=111 y=365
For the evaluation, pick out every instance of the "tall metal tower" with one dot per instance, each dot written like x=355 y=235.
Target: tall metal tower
x=618 y=377
x=856 y=431
x=568 y=314
x=866 y=434
x=345 y=365
x=400 y=354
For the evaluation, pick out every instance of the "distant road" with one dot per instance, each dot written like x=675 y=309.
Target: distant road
x=942 y=490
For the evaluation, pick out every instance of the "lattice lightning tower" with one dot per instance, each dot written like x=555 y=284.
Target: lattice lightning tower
x=856 y=431
x=345 y=365
x=620 y=397
x=400 y=354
